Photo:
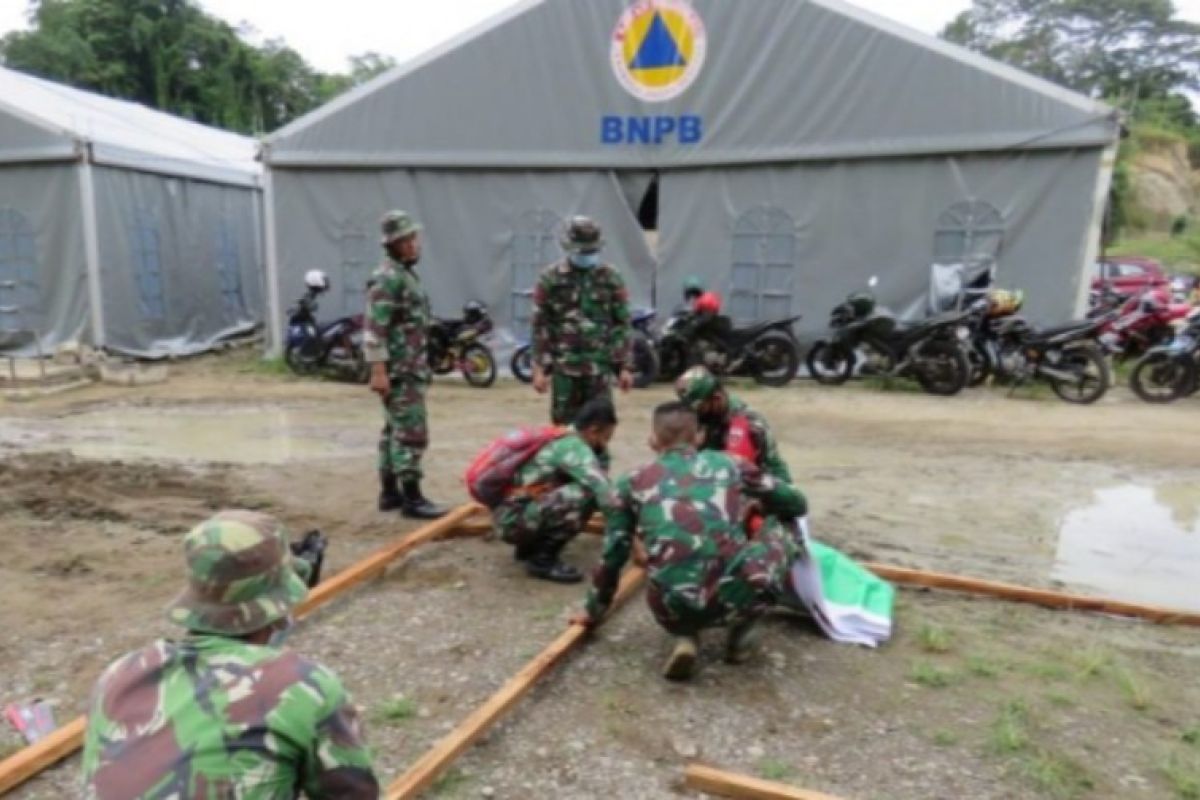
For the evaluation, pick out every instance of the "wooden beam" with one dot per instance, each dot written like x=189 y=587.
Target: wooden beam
x=727 y=784
x=1022 y=594
x=421 y=775
x=25 y=764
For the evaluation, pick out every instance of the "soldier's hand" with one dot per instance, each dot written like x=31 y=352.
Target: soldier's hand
x=625 y=380
x=540 y=381
x=583 y=618
x=380 y=384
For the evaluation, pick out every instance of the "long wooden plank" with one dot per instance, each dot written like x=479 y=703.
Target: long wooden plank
x=728 y=784
x=26 y=763
x=421 y=775
x=1022 y=594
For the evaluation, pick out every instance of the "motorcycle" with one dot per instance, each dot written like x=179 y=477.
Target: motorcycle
x=645 y=355
x=1066 y=357
x=456 y=343
x=932 y=351
x=1140 y=322
x=767 y=351
x=334 y=346
x=1170 y=371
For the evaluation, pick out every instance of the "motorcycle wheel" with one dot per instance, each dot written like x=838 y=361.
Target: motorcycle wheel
x=300 y=361
x=775 y=359
x=522 y=364
x=478 y=366
x=672 y=358
x=1162 y=378
x=1092 y=381
x=645 y=361
x=942 y=368
x=830 y=364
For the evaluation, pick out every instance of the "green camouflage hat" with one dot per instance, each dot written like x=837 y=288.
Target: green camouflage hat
x=583 y=235
x=696 y=385
x=397 y=225
x=241 y=575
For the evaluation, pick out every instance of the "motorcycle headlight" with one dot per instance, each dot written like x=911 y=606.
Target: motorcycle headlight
x=962 y=332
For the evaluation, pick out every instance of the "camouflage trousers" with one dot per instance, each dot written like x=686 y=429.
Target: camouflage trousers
x=553 y=518
x=568 y=393
x=405 y=434
x=738 y=589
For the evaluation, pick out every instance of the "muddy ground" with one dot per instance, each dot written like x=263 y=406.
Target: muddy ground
x=973 y=699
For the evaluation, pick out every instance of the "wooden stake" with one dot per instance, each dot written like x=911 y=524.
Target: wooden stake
x=25 y=764
x=727 y=784
x=421 y=775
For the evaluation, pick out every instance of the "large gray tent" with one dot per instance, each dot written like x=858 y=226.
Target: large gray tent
x=785 y=149
x=121 y=226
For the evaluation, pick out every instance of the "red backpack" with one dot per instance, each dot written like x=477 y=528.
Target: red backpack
x=490 y=476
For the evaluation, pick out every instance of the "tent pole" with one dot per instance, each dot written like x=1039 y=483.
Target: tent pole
x=274 y=311
x=1095 y=234
x=91 y=247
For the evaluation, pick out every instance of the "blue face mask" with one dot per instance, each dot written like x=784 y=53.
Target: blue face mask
x=585 y=260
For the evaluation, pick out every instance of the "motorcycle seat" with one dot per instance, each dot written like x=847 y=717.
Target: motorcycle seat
x=1071 y=327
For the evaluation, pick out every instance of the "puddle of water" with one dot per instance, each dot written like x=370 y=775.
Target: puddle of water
x=240 y=435
x=1135 y=543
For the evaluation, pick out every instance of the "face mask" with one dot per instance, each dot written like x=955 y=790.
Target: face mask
x=280 y=635
x=585 y=260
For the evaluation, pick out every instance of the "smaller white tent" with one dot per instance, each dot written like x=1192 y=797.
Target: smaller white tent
x=121 y=226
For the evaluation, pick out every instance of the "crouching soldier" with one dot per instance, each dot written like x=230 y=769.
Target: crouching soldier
x=688 y=510
x=224 y=712
x=561 y=481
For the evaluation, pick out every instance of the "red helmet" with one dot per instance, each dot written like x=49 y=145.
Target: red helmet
x=708 y=303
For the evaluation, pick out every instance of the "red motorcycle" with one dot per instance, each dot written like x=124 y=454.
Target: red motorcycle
x=1141 y=322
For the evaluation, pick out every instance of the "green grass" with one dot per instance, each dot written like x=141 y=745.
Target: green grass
x=945 y=738
x=983 y=667
x=1056 y=775
x=934 y=639
x=1093 y=663
x=1180 y=253
x=1061 y=700
x=1134 y=690
x=396 y=710
x=931 y=677
x=1191 y=735
x=1048 y=670
x=1183 y=777
x=1010 y=729
x=452 y=782
x=774 y=770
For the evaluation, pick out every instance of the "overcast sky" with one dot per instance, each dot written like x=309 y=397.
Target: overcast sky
x=326 y=33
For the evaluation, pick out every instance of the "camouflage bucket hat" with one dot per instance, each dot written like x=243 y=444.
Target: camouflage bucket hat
x=696 y=385
x=242 y=575
x=583 y=235
x=397 y=225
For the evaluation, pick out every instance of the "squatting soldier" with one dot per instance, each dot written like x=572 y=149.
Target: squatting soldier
x=688 y=508
x=224 y=712
x=557 y=491
x=581 y=329
x=723 y=416
x=396 y=344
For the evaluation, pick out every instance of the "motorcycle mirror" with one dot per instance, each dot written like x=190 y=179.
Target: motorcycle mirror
x=873 y=282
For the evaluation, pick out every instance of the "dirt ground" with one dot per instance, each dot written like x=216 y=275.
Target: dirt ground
x=972 y=699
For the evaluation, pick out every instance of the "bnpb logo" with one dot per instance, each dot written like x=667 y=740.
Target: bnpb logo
x=658 y=49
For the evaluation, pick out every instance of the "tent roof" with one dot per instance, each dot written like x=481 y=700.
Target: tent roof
x=783 y=80
x=41 y=120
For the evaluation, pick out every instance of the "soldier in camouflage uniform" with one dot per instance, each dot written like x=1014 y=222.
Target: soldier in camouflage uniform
x=717 y=409
x=224 y=712
x=396 y=344
x=557 y=491
x=581 y=328
x=688 y=509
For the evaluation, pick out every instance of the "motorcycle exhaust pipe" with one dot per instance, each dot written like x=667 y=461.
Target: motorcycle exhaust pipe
x=1058 y=375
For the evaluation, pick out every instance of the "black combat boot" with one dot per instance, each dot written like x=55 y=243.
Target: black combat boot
x=417 y=506
x=389 y=494
x=525 y=549
x=545 y=564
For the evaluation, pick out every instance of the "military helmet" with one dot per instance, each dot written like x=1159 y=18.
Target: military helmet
x=583 y=236
x=242 y=575
x=696 y=385
x=397 y=225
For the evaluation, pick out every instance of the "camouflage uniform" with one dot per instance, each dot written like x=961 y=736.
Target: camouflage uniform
x=555 y=493
x=697 y=385
x=396 y=331
x=704 y=571
x=581 y=333
x=213 y=716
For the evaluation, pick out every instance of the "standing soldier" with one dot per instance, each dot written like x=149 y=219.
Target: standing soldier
x=225 y=711
x=396 y=344
x=581 y=330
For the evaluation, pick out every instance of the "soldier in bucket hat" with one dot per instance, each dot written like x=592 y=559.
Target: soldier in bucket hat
x=224 y=711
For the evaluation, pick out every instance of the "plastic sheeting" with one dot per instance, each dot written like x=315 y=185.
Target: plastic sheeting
x=179 y=262
x=797 y=239
x=486 y=233
x=43 y=272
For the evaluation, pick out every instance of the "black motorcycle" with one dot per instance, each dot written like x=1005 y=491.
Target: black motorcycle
x=933 y=351
x=1067 y=357
x=767 y=351
x=457 y=343
x=645 y=355
x=1170 y=371
x=334 y=347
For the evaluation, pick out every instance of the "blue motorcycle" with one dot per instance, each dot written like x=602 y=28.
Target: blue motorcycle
x=333 y=347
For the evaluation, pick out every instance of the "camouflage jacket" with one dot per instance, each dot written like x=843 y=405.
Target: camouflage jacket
x=569 y=459
x=689 y=509
x=769 y=459
x=396 y=322
x=213 y=718
x=581 y=320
